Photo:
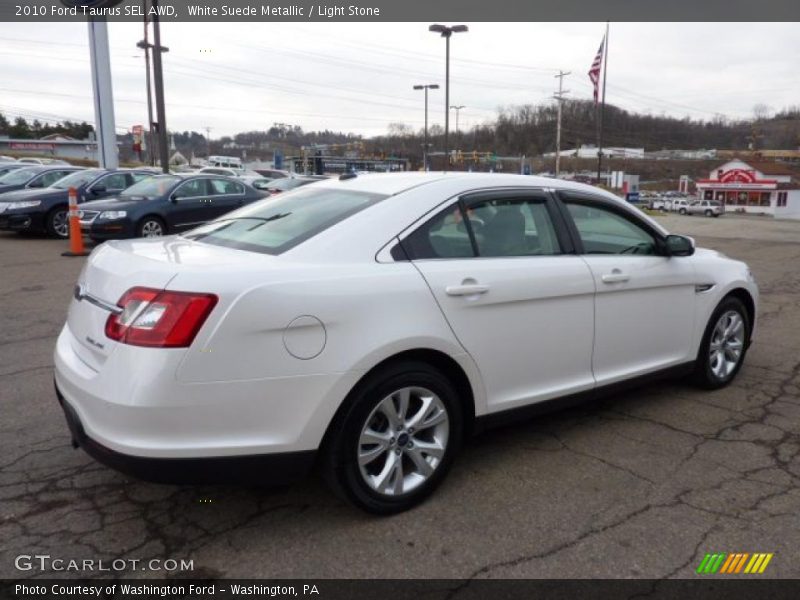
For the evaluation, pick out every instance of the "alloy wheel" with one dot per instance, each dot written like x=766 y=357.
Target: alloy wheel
x=727 y=343
x=152 y=229
x=60 y=223
x=403 y=441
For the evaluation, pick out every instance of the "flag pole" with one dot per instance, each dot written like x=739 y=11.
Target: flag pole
x=602 y=109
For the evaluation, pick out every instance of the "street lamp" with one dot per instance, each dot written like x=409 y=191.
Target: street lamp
x=446 y=32
x=426 y=87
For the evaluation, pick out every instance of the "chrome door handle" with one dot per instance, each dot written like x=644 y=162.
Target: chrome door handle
x=615 y=277
x=466 y=289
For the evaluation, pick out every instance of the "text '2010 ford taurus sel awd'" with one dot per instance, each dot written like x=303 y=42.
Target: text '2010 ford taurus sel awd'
x=371 y=323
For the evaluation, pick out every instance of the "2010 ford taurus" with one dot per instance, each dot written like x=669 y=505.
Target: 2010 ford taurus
x=372 y=323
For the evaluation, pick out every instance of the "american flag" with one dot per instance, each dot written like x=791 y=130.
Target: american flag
x=594 y=72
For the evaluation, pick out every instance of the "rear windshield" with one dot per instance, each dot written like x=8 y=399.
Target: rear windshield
x=78 y=178
x=19 y=176
x=275 y=225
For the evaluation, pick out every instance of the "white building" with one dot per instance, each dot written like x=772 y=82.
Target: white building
x=754 y=187
x=590 y=151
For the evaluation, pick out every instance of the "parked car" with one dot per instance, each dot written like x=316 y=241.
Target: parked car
x=32 y=160
x=289 y=183
x=33 y=177
x=658 y=203
x=243 y=174
x=45 y=209
x=679 y=205
x=262 y=183
x=164 y=204
x=709 y=208
x=273 y=173
x=349 y=324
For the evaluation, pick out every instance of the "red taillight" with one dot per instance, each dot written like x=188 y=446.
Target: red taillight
x=159 y=318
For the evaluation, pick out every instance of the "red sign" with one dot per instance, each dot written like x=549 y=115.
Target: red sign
x=31 y=146
x=738 y=176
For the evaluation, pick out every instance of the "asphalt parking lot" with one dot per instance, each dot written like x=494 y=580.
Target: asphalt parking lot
x=640 y=485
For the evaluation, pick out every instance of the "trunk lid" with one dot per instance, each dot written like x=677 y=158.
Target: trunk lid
x=117 y=266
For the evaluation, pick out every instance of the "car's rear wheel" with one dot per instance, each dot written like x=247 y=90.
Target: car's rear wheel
x=682 y=211
x=709 y=213
x=724 y=345
x=151 y=227
x=396 y=440
x=57 y=222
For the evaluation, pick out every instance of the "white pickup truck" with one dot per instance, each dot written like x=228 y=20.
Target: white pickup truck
x=709 y=208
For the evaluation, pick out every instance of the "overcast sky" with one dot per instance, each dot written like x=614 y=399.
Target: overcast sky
x=358 y=77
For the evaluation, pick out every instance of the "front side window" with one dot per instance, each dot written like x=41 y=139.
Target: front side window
x=152 y=187
x=604 y=231
x=276 y=225
x=192 y=189
x=115 y=182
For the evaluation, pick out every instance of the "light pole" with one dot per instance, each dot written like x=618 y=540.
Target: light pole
x=458 y=110
x=426 y=87
x=446 y=32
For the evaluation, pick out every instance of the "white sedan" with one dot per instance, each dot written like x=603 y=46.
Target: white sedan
x=373 y=322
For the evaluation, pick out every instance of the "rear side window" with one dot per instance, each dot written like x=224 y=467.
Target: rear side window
x=444 y=236
x=222 y=187
x=503 y=226
x=274 y=226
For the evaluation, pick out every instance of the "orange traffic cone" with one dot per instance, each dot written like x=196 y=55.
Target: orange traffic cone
x=75 y=236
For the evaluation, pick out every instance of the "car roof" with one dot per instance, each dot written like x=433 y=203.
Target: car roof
x=396 y=183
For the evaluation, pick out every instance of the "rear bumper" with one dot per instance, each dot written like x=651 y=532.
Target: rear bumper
x=269 y=469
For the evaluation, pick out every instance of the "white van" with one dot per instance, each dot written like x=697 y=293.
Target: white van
x=228 y=162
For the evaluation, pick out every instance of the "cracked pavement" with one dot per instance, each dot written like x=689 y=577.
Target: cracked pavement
x=642 y=484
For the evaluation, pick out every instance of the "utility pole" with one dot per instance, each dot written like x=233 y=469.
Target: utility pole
x=158 y=73
x=208 y=141
x=458 y=110
x=559 y=96
x=145 y=45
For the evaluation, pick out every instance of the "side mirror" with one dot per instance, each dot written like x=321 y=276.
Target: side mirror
x=173 y=197
x=100 y=188
x=36 y=184
x=679 y=245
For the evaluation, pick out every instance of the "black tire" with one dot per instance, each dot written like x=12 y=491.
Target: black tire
x=709 y=213
x=56 y=223
x=682 y=211
x=143 y=226
x=340 y=450
x=704 y=375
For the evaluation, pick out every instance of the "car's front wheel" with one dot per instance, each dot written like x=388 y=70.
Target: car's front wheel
x=396 y=440
x=709 y=213
x=724 y=345
x=57 y=222
x=151 y=227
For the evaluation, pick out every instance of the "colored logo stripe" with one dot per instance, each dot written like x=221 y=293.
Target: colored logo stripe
x=722 y=562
